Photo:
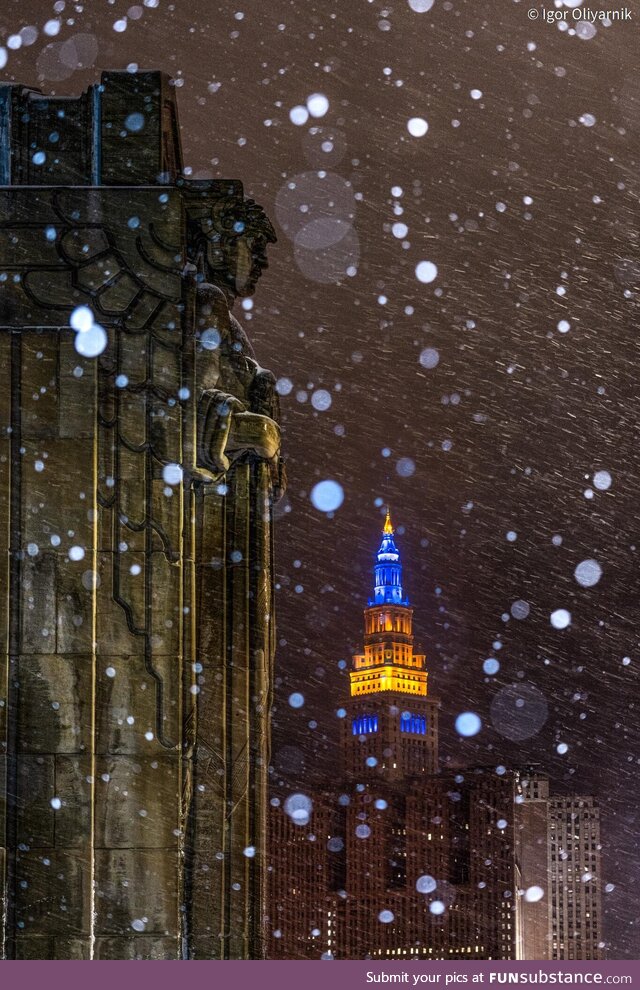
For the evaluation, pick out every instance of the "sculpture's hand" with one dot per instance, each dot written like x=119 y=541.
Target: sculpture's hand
x=228 y=431
x=226 y=409
x=256 y=433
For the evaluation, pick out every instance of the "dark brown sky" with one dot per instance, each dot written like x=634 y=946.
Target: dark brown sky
x=534 y=188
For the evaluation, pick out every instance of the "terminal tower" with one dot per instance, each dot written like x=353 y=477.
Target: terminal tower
x=391 y=728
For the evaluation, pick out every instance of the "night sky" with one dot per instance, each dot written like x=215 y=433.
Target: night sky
x=494 y=407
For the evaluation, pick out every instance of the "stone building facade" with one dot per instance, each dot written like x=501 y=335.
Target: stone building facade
x=139 y=463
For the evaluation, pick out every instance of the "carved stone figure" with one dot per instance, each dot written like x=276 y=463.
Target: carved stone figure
x=137 y=479
x=238 y=447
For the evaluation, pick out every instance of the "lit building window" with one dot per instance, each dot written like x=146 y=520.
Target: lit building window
x=364 y=724
x=413 y=723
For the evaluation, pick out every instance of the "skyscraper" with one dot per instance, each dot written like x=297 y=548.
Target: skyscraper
x=403 y=861
x=575 y=902
x=558 y=853
x=391 y=726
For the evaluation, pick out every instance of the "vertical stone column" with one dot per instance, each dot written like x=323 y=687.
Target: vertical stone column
x=140 y=742
x=231 y=757
x=50 y=547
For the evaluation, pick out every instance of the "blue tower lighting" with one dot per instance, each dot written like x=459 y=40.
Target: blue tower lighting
x=388 y=570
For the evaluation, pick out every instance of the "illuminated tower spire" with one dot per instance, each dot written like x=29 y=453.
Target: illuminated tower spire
x=388 y=568
x=393 y=723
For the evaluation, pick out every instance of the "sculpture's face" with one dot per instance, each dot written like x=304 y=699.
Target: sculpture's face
x=237 y=236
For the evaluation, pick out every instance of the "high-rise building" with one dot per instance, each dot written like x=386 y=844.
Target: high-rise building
x=532 y=856
x=558 y=853
x=391 y=726
x=575 y=901
x=403 y=861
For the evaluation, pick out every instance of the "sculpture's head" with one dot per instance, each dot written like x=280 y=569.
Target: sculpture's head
x=237 y=235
